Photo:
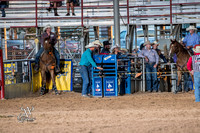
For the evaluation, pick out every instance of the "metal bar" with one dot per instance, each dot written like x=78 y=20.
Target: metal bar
x=128 y=11
x=82 y=13
x=36 y=24
x=116 y=22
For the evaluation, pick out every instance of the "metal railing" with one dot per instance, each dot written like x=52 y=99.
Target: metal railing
x=33 y=13
x=17 y=71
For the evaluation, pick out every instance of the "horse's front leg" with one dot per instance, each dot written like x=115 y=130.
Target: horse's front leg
x=43 y=88
x=179 y=81
x=54 y=82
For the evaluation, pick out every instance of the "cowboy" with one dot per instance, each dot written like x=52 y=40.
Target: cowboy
x=98 y=49
x=151 y=62
x=86 y=64
x=53 y=41
x=155 y=45
x=193 y=65
x=191 y=39
x=106 y=47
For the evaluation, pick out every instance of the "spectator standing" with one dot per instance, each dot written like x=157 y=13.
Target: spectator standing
x=155 y=45
x=86 y=64
x=106 y=47
x=98 y=49
x=70 y=3
x=151 y=62
x=193 y=66
x=3 y=5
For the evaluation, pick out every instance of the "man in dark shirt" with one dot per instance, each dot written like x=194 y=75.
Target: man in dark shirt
x=106 y=47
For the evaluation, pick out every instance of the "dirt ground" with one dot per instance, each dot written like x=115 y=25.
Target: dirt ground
x=137 y=113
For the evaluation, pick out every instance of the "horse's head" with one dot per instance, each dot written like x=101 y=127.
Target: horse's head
x=47 y=45
x=174 y=47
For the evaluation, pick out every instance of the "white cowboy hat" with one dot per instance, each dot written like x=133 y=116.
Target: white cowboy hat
x=155 y=43
x=97 y=42
x=91 y=45
x=113 y=47
x=191 y=27
x=47 y=26
x=196 y=48
x=147 y=42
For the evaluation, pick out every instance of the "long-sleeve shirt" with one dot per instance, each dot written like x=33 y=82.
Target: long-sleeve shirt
x=150 y=54
x=191 y=40
x=189 y=63
x=53 y=38
x=86 y=59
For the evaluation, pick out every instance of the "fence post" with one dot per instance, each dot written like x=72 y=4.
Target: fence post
x=2 y=76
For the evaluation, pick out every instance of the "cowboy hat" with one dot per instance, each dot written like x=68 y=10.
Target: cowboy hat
x=106 y=43
x=191 y=27
x=47 y=26
x=196 y=48
x=155 y=43
x=147 y=42
x=113 y=47
x=97 y=42
x=91 y=45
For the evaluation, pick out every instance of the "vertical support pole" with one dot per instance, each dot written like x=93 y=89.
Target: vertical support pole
x=171 y=16
x=96 y=32
x=2 y=76
x=155 y=32
x=143 y=76
x=82 y=13
x=82 y=41
x=36 y=16
x=135 y=29
x=116 y=22
x=127 y=38
x=5 y=40
x=128 y=12
x=111 y=33
x=173 y=77
x=59 y=39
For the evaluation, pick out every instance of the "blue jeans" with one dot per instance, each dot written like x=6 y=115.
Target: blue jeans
x=86 y=74
x=197 y=86
x=151 y=77
x=56 y=53
x=3 y=10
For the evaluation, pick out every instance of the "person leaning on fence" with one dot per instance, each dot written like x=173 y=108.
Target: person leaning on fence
x=3 y=4
x=106 y=47
x=98 y=49
x=70 y=3
x=151 y=62
x=191 y=39
x=193 y=65
x=85 y=69
x=53 y=41
x=155 y=45
x=54 y=4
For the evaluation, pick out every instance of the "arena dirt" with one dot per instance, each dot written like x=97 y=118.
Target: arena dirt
x=137 y=113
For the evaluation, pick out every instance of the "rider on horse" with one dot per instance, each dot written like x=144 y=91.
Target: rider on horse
x=53 y=41
x=191 y=39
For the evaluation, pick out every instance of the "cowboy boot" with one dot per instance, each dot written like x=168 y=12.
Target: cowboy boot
x=57 y=69
x=36 y=67
x=55 y=12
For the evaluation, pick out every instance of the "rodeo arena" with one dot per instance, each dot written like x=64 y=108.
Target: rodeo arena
x=100 y=66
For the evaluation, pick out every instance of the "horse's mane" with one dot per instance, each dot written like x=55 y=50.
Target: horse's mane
x=180 y=46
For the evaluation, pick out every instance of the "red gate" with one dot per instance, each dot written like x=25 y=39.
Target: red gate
x=1 y=76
